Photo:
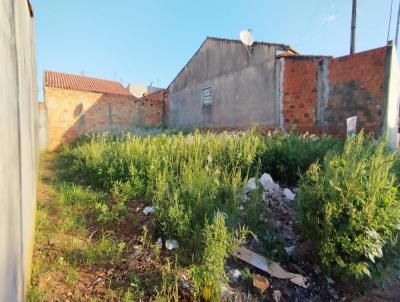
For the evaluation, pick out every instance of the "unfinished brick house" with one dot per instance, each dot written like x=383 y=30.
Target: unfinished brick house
x=225 y=86
x=77 y=104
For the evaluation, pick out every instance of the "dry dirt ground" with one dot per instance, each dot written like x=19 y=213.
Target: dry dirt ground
x=59 y=274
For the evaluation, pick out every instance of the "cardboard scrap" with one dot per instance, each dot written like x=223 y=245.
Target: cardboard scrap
x=268 y=266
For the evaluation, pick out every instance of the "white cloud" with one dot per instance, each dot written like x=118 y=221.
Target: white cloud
x=329 y=18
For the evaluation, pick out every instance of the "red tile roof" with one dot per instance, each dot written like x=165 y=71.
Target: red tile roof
x=82 y=83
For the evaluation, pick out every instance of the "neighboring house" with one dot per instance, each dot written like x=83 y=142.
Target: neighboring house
x=156 y=99
x=77 y=104
x=226 y=85
x=140 y=90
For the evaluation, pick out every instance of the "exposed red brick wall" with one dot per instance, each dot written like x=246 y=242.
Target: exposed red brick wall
x=299 y=93
x=71 y=113
x=160 y=99
x=356 y=88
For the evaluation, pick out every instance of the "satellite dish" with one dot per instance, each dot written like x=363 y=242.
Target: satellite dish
x=246 y=37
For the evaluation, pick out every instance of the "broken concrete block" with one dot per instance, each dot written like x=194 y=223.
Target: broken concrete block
x=277 y=295
x=149 y=210
x=234 y=275
x=268 y=183
x=289 y=194
x=251 y=185
x=260 y=283
x=171 y=244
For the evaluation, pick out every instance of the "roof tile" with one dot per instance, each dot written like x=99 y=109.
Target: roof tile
x=82 y=83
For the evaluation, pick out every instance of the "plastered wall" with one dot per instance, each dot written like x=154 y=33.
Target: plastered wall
x=18 y=135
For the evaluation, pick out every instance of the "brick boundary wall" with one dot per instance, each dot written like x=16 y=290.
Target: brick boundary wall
x=159 y=99
x=356 y=88
x=300 y=93
x=319 y=92
x=71 y=113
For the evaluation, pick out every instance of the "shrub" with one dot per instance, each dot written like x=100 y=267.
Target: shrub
x=349 y=207
x=170 y=286
x=209 y=276
x=287 y=156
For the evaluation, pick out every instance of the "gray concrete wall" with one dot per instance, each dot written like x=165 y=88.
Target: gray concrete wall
x=243 y=86
x=392 y=95
x=18 y=134
x=42 y=122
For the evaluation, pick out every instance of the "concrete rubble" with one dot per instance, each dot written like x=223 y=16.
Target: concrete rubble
x=149 y=210
x=260 y=283
x=277 y=295
x=234 y=275
x=171 y=244
x=250 y=186
x=299 y=282
x=268 y=183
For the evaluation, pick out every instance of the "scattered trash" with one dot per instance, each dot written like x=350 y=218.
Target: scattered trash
x=227 y=293
x=261 y=283
x=268 y=183
x=277 y=295
x=330 y=281
x=149 y=210
x=276 y=195
x=171 y=244
x=234 y=275
x=251 y=185
x=241 y=208
x=159 y=242
x=184 y=281
x=290 y=249
x=268 y=266
x=289 y=194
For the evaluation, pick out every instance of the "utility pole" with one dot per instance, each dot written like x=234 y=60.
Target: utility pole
x=398 y=25
x=353 y=27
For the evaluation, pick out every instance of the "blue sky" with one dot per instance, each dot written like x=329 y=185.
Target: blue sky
x=150 y=41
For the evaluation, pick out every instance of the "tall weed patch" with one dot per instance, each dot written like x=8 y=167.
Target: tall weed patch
x=287 y=156
x=187 y=177
x=349 y=206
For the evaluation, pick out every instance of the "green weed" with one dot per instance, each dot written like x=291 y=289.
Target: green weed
x=349 y=207
x=287 y=156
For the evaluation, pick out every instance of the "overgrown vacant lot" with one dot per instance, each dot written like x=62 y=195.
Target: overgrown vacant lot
x=95 y=243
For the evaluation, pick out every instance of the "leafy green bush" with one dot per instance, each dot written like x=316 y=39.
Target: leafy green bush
x=287 y=156
x=350 y=208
